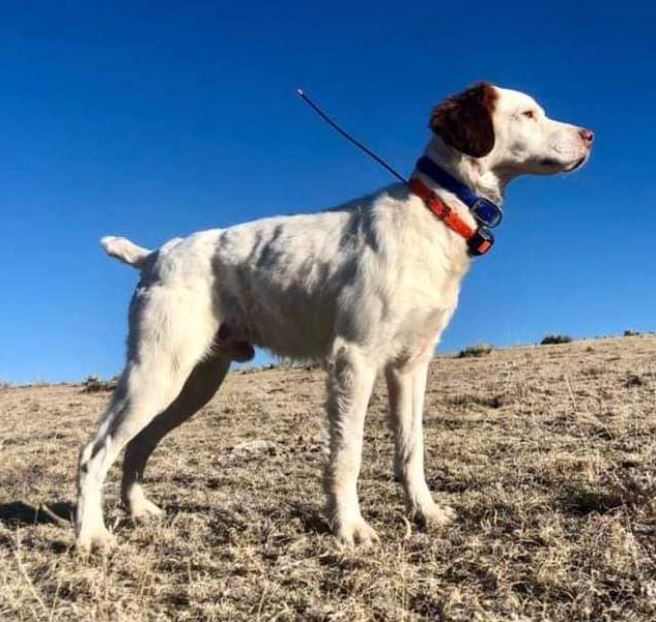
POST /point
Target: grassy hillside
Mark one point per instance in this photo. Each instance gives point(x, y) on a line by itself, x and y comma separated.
point(546, 452)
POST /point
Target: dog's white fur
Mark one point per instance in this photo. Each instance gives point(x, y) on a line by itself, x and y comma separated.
point(368, 286)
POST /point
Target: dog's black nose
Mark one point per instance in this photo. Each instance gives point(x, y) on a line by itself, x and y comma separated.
point(587, 135)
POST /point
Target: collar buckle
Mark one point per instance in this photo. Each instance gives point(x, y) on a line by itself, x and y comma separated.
point(486, 212)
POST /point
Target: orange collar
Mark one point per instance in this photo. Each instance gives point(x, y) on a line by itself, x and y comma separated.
point(479, 240)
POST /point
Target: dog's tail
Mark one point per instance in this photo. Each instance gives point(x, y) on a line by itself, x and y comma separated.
point(128, 252)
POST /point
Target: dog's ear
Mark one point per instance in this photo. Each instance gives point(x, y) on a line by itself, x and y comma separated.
point(464, 121)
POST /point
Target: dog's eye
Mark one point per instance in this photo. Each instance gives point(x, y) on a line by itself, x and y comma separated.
point(529, 114)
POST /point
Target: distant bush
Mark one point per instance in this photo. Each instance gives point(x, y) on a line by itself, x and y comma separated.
point(552, 339)
point(631, 333)
point(479, 349)
point(633, 380)
point(93, 384)
point(469, 399)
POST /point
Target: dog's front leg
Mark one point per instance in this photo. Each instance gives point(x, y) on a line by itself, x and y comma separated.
point(350, 382)
point(406, 387)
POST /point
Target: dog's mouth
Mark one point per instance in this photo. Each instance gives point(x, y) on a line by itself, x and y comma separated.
point(553, 164)
point(550, 163)
point(577, 165)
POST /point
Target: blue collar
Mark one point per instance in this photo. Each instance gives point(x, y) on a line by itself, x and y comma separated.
point(484, 211)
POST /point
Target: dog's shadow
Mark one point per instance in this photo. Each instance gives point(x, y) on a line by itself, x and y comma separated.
point(19, 513)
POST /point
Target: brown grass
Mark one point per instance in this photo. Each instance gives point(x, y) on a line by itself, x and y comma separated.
point(547, 453)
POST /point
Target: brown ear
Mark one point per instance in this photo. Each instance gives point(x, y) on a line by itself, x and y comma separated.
point(464, 121)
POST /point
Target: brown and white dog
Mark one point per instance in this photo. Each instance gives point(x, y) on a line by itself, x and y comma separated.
point(368, 287)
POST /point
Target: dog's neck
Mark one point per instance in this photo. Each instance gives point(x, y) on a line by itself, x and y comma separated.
point(473, 172)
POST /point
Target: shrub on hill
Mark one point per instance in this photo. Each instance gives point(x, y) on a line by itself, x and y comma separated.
point(553, 339)
point(93, 384)
point(476, 350)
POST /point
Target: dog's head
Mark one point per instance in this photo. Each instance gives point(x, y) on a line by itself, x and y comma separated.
point(511, 131)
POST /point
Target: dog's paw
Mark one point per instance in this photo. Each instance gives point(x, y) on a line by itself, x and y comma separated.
point(144, 510)
point(100, 540)
point(434, 516)
point(356, 532)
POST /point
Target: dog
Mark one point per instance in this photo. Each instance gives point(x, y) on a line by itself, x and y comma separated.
point(367, 287)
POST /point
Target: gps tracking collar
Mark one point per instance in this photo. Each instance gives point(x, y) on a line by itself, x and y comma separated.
point(486, 213)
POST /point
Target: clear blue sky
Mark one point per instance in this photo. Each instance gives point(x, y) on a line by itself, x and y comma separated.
point(156, 119)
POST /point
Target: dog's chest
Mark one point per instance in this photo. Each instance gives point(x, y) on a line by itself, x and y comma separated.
point(426, 270)
point(428, 263)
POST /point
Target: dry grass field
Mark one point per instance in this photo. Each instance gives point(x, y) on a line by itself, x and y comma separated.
point(546, 452)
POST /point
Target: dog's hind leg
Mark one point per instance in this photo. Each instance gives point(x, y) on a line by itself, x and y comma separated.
point(202, 384)
point(169, 334)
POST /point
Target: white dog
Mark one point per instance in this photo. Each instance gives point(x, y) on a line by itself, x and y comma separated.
point(367, 287)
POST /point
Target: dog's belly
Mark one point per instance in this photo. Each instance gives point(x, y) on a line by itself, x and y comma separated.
point(287, 325)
